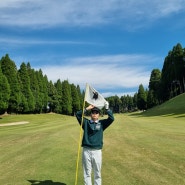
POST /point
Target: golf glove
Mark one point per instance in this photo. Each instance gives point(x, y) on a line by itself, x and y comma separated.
point(106, 105)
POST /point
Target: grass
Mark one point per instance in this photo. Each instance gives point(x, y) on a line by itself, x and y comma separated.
point(44, 149)
point(142, 150)
point(138, 149)
point(175, 106)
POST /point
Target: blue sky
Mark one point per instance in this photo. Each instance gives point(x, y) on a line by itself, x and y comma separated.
point(111, 44)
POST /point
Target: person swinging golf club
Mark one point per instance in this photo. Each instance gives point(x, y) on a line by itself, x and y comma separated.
point(92, 142)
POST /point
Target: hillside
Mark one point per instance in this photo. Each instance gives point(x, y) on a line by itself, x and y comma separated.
point(174, 106)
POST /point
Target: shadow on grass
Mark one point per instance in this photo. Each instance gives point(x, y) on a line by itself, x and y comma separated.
point(45, 182)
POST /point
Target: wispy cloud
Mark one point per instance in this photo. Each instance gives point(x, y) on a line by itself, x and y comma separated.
point(75, 55)
point(85, 13)
point(32, 41)
point(104, 72)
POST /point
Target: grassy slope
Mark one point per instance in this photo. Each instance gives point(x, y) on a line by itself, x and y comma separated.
point(139, 150)
point(174, 106)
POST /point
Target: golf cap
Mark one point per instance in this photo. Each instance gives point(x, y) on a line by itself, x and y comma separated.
point(95, 109)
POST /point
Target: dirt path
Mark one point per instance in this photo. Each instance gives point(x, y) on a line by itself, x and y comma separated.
point(14, 123)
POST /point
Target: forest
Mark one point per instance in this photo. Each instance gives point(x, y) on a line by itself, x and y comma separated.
point(29, 91)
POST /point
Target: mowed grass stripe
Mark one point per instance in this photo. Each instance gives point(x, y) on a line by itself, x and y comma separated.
point(39, 150)
point(147, 150)
point(137, 150)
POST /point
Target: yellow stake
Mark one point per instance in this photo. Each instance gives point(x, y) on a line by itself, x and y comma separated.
point(79, 144)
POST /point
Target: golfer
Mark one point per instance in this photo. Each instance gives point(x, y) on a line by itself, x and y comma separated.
point(92, 142)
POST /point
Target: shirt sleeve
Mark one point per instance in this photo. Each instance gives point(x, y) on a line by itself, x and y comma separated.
point(107, 122)
point(79, 116)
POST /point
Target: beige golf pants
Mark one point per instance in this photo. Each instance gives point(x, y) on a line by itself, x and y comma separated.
point(92, 159)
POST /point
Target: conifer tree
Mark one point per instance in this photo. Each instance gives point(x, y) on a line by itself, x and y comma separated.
point(58, 86)
point(135, 101)
point(66, 98)
point(141, 98)
point(153, 97)
point(130, 103)
point(29, 104)
point(124, 103)
point(75, 99)
point(43, 92)
point(81, 96)
point(52, 97)
point(172, 79)
point(9, 69)
point(34, 87)
point(4, 92)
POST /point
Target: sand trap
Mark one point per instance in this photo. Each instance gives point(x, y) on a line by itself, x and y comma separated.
point(14, 123)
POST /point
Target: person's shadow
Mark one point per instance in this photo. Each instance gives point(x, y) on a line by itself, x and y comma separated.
point(45, 182)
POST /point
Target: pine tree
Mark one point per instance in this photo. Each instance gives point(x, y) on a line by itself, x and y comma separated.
point(4, 92)
point(173, 72)
point(135, 101)
point(81, 96)
point(75, 99)
point(29, 104)
point(34, 87)
point(153, 97)
point(124, 103)
point(66, 98)
point(58, 86)
point(43, 92)
point(130, 103)
point(141, 98)
point(52, 97)
point(9, 69)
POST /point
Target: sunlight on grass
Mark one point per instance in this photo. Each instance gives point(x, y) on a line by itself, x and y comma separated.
point(137, 150)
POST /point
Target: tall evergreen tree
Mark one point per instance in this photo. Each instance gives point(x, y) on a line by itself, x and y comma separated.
point(34, 86)
point(29, 104)
point(58, 86)
point(141, 98)
point(172, 79)
point(135, 101)
point(183, 70)
point(4, 92)
point(130, 103)
point(66, 98)
point(43, 91)
point(75, 99)
point(153, 97)
point(124, 106)
point(115, 103)
point(126, 103)
point(39, 95)
point(177, 61)
point(52, 97)
point(9, 69)
point(81, 96)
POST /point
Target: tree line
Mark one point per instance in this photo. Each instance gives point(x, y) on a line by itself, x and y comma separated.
point(163, 85)
point(29, 91)
point(26, 90)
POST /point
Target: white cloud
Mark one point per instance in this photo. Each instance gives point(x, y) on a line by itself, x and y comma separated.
point(32, 41)
point(99, 75)
point(85, 13)
point(119, 94)
point(111, 73)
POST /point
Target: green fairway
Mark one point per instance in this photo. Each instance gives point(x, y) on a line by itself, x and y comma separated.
point(138, 150)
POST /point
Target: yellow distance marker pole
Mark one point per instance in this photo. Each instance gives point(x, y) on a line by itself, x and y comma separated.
point(80, 139)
